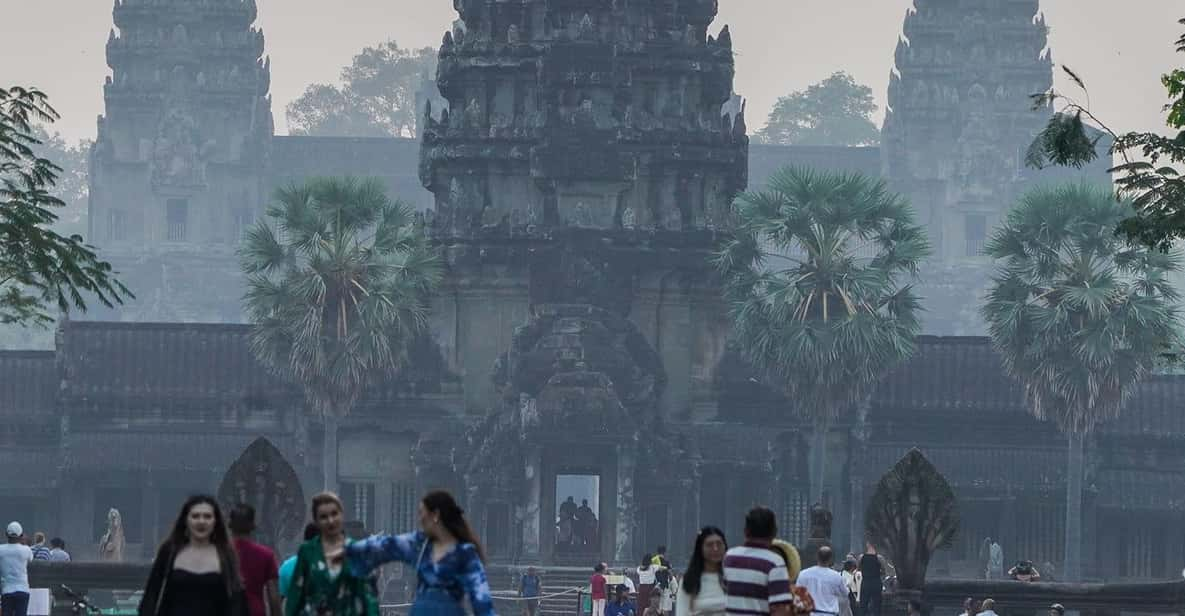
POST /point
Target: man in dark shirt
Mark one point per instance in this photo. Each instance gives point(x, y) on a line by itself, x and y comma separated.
point(871, 583)
point(586, 524)
point(621, 604)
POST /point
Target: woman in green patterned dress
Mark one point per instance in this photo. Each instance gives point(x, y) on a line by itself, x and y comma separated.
point(320, 585)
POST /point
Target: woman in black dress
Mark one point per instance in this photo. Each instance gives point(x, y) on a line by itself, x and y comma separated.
point(195, 572)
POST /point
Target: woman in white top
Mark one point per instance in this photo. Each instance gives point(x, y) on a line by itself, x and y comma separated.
point(647, 573)
point(702, 590)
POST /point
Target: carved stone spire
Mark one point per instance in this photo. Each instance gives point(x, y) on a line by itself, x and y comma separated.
point(183, 151)
point(573, 114)
point(190, 86)
point(960, 117)
point(958, 124)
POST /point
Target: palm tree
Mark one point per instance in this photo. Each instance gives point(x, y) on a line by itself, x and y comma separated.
point(1079, 315)
point(339, 283)
point(814, 282)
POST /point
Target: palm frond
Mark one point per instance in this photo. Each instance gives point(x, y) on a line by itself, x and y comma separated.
point(816, 280)
point(340, 281)
point(1077, 312)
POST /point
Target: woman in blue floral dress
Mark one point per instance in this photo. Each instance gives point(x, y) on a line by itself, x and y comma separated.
point(446, 554)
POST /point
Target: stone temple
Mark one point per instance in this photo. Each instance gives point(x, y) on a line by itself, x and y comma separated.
point(576, 179)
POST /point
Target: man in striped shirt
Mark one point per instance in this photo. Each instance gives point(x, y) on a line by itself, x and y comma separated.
point(755, 575)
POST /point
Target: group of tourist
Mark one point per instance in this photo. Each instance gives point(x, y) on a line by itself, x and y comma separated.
point(576, 526)
point(752, 579)
point(763, 575)
point(209, 567)
point(987, 607)
point(654, 594)
point(15, 555)
point(864, 578)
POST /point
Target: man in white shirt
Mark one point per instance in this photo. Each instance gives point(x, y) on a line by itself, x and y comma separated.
point(826, 586)
point(14, 573)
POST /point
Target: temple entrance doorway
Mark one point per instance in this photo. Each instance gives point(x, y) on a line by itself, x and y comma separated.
point(578, 514)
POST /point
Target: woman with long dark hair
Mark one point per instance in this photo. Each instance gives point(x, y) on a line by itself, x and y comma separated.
point(702, 592)
point(446, 554)
point(320, 584)
point(195, 572)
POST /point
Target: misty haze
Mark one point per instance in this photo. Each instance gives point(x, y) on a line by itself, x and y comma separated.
point(592, 307)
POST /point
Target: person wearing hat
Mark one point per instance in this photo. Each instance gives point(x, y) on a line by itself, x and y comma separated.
point(14, 573)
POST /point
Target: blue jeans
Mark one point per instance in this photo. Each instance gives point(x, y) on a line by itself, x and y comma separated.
point(14, 604)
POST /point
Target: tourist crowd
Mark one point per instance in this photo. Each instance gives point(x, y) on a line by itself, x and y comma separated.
point(211, 566)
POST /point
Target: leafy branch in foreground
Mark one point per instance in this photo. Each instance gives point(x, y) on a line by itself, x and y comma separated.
point(1148, 175)
point(38, 267)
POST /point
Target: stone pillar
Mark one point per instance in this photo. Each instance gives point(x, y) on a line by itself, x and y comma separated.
point(150, 517)
point(856, 516)
point(1007, 537)
point(624, 548)
point(531, 512)
point(856, 477)
point(1090, 538)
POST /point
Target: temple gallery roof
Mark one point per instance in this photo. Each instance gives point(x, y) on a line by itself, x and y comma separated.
point(180, 361)
point(182, 366)
point(28, 381)
point(112, 365)
point(959, 376)
point(131, 451)
point(951, 374)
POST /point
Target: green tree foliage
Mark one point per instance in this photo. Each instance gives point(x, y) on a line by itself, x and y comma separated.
point(1149, 173)
point(72, 186)
point(339, 283)
point(836, 111)
point(815, 281)
point(39, 268)
point(1079, 314)
point(377, 97)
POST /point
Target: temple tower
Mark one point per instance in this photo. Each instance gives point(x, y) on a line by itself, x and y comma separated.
point(584, 114)
point(958, 124)
point(574, 125)
point(177, 169)
point(960, 118)
point(582, 172)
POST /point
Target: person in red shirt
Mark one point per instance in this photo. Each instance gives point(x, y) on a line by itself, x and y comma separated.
point(257, 564)
point(599, 596)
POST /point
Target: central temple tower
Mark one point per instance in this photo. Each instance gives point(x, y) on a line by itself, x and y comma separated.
point(590, 114)
point(582, 172)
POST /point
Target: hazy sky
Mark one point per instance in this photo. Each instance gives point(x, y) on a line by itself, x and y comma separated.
point(781, 45)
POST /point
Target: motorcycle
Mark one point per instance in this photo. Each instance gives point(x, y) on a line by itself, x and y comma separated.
point(79, 605)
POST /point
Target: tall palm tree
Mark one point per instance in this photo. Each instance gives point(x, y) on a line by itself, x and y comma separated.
point(815, 282)
point(1079, 315)
point(339, 282)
